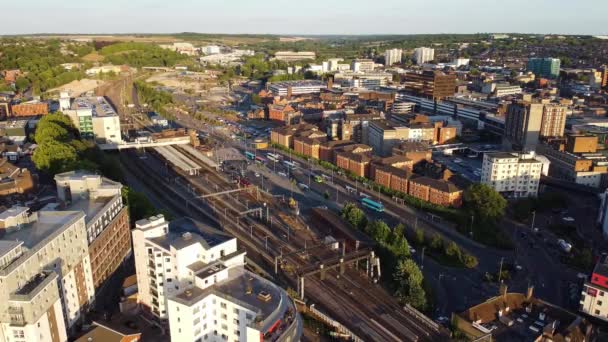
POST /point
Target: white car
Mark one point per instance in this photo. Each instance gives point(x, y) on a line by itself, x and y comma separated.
point(568, 219)
point(412, 250)
point(257, 174)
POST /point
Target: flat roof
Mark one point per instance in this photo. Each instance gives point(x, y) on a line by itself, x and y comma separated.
point(201, 233)
point(98, 104)
point(91, 206)
point(47, 224)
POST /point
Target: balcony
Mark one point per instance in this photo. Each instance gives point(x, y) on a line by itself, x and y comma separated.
point(16, 316)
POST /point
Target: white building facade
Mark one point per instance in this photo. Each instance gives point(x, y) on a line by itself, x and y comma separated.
point(512, 174)
point(423, 55)
point(392, 56)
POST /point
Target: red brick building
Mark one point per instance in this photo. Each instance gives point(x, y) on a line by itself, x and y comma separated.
point(29, 109)
point(357, 163)
point(439, 192)
point(308, 146)
point(283, 113)
point(327, 148)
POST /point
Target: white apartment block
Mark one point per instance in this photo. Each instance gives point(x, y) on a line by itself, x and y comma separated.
point(296, 87)
point(45, 274)
point(512, 174)
point(392, 56)
point(423, 55)
point(594, 296)
point(210, 49)
point(192, 277)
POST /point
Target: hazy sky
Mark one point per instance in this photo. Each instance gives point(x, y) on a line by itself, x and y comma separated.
point(304, 16)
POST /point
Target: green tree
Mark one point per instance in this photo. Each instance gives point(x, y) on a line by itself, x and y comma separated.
point(484, 202)
point(452, 250)
point(22, 84)
point(51, 132)
point(436, 242)
point(355, 216)
point(419, 237)
point(139, 205)
point(54, 157)
point(379, 231)
point(408, 279)
point(469, 261)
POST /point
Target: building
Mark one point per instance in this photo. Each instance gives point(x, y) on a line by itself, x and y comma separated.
point(95, 119)
point(356, 163)
point(291, 88)
point(523, 125)
point(211, 50)
point(554, 121)
point(284, 113)
point(423, 55)
point(403, 107)
point(432, 84)
point(284, 135)
point(392, 177)
point(107, 219)
point(363, 65)
point(4, 111)
point(383, 136)
point(192, 277)
point(327, 148)
point(105, 69)
point(392, 56)
point(370, 79)
point(291, 56)
point(522, 317)
point(577, 161)
point(14, 180)
point(45, 274)
point(595, 289)
point(436, 191)
point(106, 333)
point(544, 67)
point(511, 174)
point(33, 108)
point(417, 151)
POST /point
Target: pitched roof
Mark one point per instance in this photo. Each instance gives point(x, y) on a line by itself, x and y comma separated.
point(441, 185)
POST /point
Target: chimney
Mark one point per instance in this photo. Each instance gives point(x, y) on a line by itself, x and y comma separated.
point(530, 292)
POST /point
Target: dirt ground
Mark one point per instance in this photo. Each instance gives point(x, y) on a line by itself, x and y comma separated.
point(76, 88)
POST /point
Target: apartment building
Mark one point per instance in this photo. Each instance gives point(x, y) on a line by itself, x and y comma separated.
point(357, 163)
point(423, 55)
point(392, 56)
point(285, 114)
point(363, 65)
point(392, 177)
point(45, 274)
point(106, 219)
point(594, 296)
point(437, 191)
point(308, 146)
point(554, 121)
point(544, 67)
point(512, 174)
point(327, 148)
point(383, 136)
point(191, 276)
point(360, 125)
point(284, 135)
point(414, 150)
point(14, 180)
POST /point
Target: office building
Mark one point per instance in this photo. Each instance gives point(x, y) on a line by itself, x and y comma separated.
point(432, 84)
point(594, 296)
point(46, 282)
point(107, 219)
point(523, 125)
point(511, 174)
point(192, 277)
point(423, 55)
point(350, 79)
point(392, 56)
point(95, 119)
point(383, 136)
point(291, 56)
point(290, 88)
point(363, 65)
point(544, 67)
point(577, 160)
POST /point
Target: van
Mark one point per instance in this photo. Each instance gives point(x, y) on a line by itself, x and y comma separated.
point(282, 174)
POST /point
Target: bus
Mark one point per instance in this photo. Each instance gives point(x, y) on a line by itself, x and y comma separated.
point(249, 155)
point(290, 165)
point(368, 203)
point(273, 157)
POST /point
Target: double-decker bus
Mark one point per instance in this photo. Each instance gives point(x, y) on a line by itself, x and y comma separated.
point(368, 203)
point(249, 155)
point(273, 157)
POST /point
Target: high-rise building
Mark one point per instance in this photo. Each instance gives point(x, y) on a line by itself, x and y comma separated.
point(364, 65)
point(423, 55)
point(523, 125)
point(511, 174)
point(46, 281)
point(553, 121)
point(107, 219)
point(392, 56)
point(544, 67)
point(192, 276)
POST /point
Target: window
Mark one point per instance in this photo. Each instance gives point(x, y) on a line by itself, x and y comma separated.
point(599, 302)
point(601, 293)
point(597, 312)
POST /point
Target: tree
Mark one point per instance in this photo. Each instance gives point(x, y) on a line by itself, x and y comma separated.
point(419, 237)
point(54, 157)
point(355, 216)
point(452, 250)
point(436, 241)
point(139, 205)
point(51, 132)
point(485, 203)
point(408, 278)
point(379, 231)
point(22, 84)
point(469, 261)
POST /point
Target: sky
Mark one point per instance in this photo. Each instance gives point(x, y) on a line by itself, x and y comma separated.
point(313, 17)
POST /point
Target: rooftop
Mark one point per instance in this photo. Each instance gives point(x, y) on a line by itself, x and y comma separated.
point(199, 232)
point(97, 104)
point(300, 83)
point(47, 224)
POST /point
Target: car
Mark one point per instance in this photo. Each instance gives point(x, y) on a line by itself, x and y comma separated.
point(257, 174)
point(412, 250)
point(282, 174)
point(568, 219)
point(536, 230)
